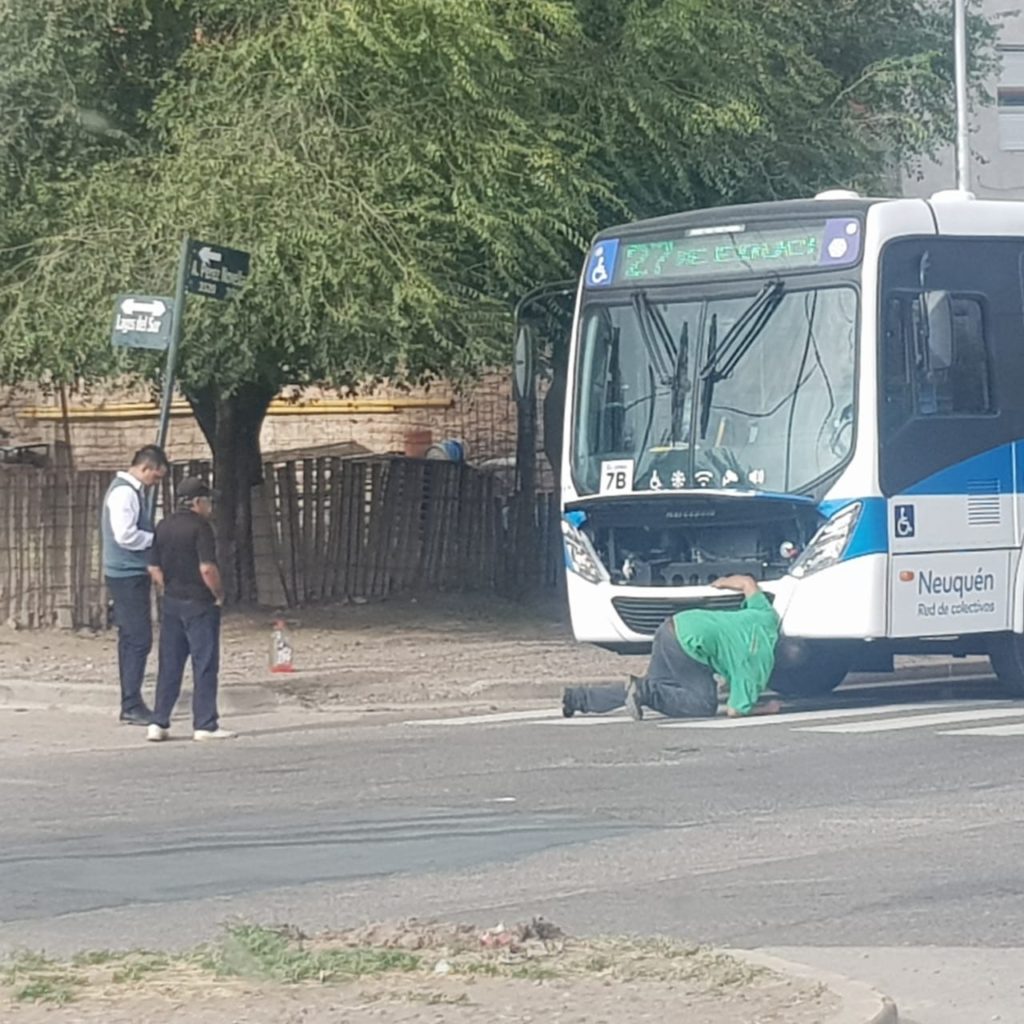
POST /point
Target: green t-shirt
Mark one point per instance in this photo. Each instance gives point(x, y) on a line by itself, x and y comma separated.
point(737, 645)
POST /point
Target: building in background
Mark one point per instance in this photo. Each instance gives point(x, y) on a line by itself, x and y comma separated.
point(997, 130)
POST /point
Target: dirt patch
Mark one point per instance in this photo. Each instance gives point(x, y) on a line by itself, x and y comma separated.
point(444, 647)
point(410, 973)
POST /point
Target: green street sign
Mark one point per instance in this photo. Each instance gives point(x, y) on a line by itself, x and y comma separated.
point(143, 321)
point(215, 270)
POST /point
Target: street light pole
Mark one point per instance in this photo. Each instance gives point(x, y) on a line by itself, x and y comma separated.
point(963, 150)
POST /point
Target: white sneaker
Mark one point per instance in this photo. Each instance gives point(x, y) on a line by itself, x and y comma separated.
point(213, 734)
point(157, 734)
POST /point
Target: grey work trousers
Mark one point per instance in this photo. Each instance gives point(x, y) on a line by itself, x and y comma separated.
point(675, 684)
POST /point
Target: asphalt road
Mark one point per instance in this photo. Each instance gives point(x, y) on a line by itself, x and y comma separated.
point(878, 833)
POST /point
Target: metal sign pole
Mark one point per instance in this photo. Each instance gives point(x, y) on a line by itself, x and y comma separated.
point(172, 349)
point(963, 150)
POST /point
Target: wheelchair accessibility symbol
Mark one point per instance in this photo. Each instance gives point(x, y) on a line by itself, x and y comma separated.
point(601, 267)
point(903, 521)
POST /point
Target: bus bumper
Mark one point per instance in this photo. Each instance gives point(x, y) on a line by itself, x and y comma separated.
point(846, 601)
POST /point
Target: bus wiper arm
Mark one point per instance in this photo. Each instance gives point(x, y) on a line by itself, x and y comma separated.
point(676, 377)
point(650, 325)
point(707, 383)
point(738, 339)
point(681, 383)
point(723, 359)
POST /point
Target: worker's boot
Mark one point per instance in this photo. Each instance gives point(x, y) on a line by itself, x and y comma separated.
point(635, 698)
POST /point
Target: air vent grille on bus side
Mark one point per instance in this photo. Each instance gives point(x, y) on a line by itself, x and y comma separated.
point(983, 505)
point(644, 615)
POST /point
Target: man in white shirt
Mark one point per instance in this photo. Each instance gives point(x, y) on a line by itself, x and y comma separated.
point(127, 529)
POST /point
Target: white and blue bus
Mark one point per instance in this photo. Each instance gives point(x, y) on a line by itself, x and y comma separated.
point(826, 394)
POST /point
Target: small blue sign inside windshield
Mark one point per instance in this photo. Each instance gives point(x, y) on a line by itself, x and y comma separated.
point(601, 267)
point(840, 243)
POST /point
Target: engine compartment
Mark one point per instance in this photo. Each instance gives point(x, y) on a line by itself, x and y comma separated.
point(678, 540)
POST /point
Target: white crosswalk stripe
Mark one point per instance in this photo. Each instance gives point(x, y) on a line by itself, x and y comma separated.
point(866, 720)
point(495, 719)
point(615, 718)
point(792, 717)
point(1013, 729)
point(919, 721)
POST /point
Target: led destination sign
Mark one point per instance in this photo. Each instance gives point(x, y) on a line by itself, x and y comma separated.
point(731, 251)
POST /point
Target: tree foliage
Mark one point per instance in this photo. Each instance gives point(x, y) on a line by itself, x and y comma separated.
point(401, 170)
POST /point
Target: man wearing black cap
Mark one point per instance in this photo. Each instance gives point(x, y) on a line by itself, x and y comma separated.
point(183, 564)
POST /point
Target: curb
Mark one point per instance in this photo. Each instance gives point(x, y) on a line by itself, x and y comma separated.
point(32, 694)
point(237, 697)
point(862, 1004)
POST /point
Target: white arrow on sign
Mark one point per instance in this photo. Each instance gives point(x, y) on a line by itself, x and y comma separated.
point(132, 306)
point(208, 255)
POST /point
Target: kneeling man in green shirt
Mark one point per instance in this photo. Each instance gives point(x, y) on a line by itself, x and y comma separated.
point(688, 651)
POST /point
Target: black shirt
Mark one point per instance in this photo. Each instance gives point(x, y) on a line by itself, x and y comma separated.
point(183, 541)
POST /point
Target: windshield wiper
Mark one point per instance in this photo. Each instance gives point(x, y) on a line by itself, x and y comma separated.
point(681, 383)
point(707, 387)
point(649, 318)
point(723, 359)
point(676, 377)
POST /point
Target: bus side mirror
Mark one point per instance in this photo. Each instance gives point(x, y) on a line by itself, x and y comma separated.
point(522, 363)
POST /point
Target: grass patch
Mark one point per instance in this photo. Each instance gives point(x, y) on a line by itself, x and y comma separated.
point(95, 958)
point(284, 956)
point(35, 978)
point(57, 990)
point(26, 962)
point(137, 967)
point(478, 968)
point(268, 954)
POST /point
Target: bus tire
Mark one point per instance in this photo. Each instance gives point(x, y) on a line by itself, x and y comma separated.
point(808, 683)
point(808, 669)
point(1006, 655)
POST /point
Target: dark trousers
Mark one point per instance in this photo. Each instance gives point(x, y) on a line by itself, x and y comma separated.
point(675, 685)
point(188, 629)
point(130, 595)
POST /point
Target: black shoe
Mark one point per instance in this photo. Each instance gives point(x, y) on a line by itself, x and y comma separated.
point(568, 703)
point(140, 715)
point(633, 698)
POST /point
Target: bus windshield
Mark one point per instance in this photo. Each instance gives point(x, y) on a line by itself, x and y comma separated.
point(752, 391)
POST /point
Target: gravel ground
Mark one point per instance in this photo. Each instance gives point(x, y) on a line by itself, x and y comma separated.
point(396, 652)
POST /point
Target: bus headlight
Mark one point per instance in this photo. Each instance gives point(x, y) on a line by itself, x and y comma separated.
point(580, 556)
point(829, 544)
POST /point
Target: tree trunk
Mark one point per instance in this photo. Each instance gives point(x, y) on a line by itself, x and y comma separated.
point(231, 424)
point(521, 563)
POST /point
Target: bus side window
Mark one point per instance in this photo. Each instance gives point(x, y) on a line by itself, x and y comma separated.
point(953, 376)
point(971, 386)
point(936, 358)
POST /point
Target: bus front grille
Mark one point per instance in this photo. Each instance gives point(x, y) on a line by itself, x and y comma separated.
point(645, 614)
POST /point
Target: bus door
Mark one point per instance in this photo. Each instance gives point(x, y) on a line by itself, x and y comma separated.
point(947, 451)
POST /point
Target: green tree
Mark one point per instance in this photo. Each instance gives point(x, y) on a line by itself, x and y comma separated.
point(402, 169)
point(383, 173)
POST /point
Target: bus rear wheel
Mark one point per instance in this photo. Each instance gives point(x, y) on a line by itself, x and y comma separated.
point(808, 669)
point(1007, 657)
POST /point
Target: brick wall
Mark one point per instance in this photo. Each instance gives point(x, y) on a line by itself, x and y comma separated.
point(483, 417)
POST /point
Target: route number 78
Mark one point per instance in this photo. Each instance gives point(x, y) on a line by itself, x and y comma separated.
point(617, 476)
